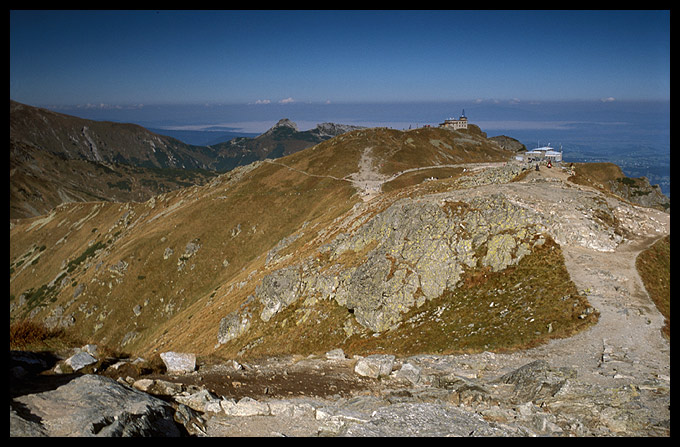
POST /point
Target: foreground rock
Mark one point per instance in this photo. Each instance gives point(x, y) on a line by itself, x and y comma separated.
point(179, 362)
point(92, 405)
point(375, 366)
point(426, 395)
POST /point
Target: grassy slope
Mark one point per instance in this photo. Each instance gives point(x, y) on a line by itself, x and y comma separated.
point(240, 216)
point(654, 266)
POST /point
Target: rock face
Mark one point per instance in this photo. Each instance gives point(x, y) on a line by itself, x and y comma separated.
point(509, 143)
point(413, 252)
point(641, 192)
point(92, 405)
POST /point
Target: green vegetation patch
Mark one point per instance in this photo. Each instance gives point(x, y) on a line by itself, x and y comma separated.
point(89, 252)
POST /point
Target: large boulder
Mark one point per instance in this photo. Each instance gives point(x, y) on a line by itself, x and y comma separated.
point(179, 362)
point(277, 291)
point(92, 405)
point(376, 365)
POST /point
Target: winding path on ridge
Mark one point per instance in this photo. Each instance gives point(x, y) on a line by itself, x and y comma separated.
point(629, 327)
point(368, 181)
point(626, 344)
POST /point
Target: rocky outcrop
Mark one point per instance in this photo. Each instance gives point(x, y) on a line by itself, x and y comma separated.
point(640, 192)
point(509, 143)
point(410, 253)
point(92, 405)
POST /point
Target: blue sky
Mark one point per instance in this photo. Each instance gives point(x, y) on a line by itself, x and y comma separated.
point(286, 57)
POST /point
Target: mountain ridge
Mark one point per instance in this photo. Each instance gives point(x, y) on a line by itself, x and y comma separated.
point(252, 261)
point(494, 282)
point(57, 158)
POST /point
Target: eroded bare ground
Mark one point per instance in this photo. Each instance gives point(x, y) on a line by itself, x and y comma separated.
point(278, 378)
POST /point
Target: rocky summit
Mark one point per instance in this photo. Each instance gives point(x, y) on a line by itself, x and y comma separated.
point(378, 283)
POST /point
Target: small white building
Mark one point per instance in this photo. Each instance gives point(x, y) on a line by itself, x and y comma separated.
point(454, 124)
point(545, 153)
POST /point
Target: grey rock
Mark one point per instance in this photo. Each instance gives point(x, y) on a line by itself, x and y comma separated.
point(20, 427)
point(375, 365)
point(80, 360)
point(203, 401)
point(537, 380)
point(420, 249)
point(92, 405)
point(90, 349)
point(192, 420)
point(278, 290)
point(292, 408)
point(179, 362)
point(335, 354)
point(158, 387)
point(423, 420)
point(232, 326)
point(409, 372)
point(245, 407)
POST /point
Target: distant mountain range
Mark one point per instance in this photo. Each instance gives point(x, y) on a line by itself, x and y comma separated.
point(57, 158)
point(282, 139)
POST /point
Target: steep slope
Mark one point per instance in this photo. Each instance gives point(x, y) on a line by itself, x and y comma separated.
point(40, 180)
point(344, 244)
point(100, 141)
point(57, 158)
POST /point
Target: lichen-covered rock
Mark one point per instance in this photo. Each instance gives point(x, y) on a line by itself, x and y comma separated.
point(278, 290)
point(422, 248)
point(410, 253)
point(232, 326)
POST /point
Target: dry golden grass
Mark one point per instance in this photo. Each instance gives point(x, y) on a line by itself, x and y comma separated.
point(654, 267)
point(236, 223)
point(32, 336)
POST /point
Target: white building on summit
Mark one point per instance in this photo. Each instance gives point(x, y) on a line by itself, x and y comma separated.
point(454, 124)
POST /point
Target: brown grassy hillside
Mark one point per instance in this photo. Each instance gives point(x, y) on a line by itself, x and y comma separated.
point(162, 274)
